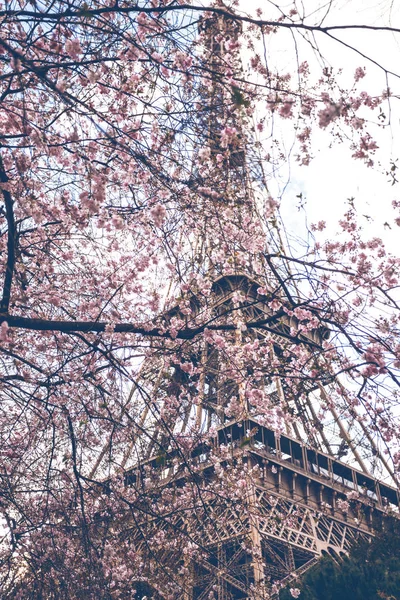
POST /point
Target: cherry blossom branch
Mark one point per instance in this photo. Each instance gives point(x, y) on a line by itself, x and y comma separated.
point(323, 267)
point(87, 12)
point(312, 264)
point(77, 475)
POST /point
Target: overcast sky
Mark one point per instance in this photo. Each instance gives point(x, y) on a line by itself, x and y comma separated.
point(333, 176)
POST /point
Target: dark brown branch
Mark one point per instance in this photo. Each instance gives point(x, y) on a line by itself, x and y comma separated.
point(18, 322)
point(87, 13)
point(11, 241)
point(188, 333)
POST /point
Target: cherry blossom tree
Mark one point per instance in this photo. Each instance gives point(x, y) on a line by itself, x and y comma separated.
point(136, 154)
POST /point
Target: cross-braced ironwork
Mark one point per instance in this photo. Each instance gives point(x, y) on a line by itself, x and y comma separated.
point(250, 507)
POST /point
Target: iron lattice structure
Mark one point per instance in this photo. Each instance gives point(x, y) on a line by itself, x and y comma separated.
point(299, 498)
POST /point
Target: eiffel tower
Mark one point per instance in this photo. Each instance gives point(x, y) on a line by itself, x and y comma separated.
point(238, 496)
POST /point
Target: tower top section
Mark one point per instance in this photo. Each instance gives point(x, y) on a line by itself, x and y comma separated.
point(223, 127)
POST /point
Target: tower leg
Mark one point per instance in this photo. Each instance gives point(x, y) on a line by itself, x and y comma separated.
point(256, 544)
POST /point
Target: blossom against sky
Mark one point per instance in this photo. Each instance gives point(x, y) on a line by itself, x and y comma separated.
point(324, 187)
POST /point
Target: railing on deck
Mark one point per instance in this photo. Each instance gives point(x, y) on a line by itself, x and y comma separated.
point(279, 449)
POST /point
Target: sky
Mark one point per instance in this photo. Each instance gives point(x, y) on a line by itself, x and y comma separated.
point(333, 176)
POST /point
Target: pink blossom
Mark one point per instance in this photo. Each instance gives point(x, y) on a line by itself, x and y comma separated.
point(304, 68)
point(4, 328)
point(232, 44)
point(228, 134)
point(219, 341)
point(343, 505)
point(157, 57)
point(327, 115)
point(142, 18)
point(286, 110)
point(366, 147)
point(369, 101)
point(357, 123)
point(183, 61)
point(367, 143)
point(73, 48)
point(270, 207)
point(204, 153)
point(275, 304)
point(359, 74)
point(159, 213)
point(304, 135)
point(320, 226)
